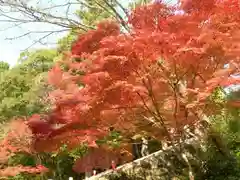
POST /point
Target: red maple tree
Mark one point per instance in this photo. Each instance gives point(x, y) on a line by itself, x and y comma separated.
point(161, 72)
point(19, 138)
point(157, 76)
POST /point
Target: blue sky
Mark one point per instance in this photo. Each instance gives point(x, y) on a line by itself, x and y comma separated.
point(10, 49)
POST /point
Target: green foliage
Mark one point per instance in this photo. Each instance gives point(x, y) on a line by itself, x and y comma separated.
point(216, 166)
point(65, 43)
point(218, 96)
point(95, 11)
point(227, 124)
point(24, 86)
point(4, 66)
point(114, 139)
point(23, 159)
point(61, 162)
point(27, 177)
point(75, 153)
point(137, 3)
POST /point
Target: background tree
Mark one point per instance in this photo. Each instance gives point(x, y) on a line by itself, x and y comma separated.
point(4, 66)
point(24, 85)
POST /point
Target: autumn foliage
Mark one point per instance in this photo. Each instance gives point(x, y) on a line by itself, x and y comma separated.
point(157, 76)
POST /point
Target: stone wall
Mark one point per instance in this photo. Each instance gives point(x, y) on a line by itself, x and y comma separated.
point(151, 167)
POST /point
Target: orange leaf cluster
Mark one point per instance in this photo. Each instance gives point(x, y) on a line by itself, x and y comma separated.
point(19, 138)
point(166, 66)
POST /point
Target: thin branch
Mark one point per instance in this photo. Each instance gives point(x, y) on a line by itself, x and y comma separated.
point(61, 5)
point(20, 12)
point(39, 40)
point(118, 15)
point(41, 16)
point(34, 32)
point(13, 26)
point(123, 9)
